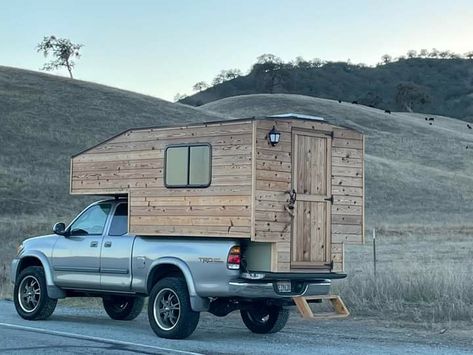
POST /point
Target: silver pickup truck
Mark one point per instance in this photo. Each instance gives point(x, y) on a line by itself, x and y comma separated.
point(95, 256)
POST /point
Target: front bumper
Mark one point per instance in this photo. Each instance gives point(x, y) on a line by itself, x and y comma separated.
point(246, 289)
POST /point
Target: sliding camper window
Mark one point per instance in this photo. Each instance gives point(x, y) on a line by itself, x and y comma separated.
point(188, 165)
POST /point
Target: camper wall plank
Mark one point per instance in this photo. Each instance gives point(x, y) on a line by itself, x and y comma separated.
point(347, 162)
point(223, 221)
point(204, 132)
point(224, 210)
point(159, 144)
point(220, 170)
point(346, 219)
point(347, 143)
point(273, 166)
point(217, 151)
point(347, 153)
point(347, 134)
point(347, 181)
point(348, 171)
point(346, 238)
point(347, 191)
point(242, 191)
point(192, 201)
point(219, 180)
point(346, 210)
point(346, 229)
point(273, 236)
point(197, 231)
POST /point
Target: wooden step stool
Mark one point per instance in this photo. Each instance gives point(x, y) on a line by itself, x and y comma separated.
point(339, 308)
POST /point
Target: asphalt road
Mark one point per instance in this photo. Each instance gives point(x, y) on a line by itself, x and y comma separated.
point(89, 331)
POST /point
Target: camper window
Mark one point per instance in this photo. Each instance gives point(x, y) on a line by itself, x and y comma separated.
point(188, 165)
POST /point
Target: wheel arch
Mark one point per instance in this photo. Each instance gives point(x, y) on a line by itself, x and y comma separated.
point(37, 258)
point(169, 267)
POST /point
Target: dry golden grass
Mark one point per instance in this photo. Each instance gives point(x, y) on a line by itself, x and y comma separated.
point(423, 275)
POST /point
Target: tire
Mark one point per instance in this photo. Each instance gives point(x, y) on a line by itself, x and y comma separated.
point(265, 319)
point(122, 307)
point(169, 309)
point(31, 296)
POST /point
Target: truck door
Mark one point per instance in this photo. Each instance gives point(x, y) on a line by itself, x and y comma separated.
point(312, 175)
point(76, 256)
point(117, 245)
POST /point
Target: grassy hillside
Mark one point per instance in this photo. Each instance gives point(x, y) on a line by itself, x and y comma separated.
point(44, 119)
point(417, 171)
point(446, 84)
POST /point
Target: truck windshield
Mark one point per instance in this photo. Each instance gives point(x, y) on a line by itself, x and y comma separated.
point(92, 221)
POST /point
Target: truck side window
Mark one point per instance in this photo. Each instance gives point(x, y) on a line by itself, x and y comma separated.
point(188, 165)
point(119, 224)
point(92, 221)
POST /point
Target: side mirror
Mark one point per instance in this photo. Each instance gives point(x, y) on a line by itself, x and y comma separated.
point(59, 228)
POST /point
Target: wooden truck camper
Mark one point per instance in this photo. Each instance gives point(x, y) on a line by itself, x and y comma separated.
point(290, 186)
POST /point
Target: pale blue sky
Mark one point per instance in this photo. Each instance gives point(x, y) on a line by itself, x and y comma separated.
point(163, 47)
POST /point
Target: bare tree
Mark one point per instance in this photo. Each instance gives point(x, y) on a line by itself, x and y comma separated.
point(178, 97)
point(424, 53)
point(63, 51)
point(434, 53)
point(268, 58)
point(411, 53)
point(199, 86)
point(385, 59)
point(231, 74)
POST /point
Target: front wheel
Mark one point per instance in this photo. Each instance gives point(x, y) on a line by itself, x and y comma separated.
point(169, 309)
point(31, 296)
point(123, 308)
point(265, 319)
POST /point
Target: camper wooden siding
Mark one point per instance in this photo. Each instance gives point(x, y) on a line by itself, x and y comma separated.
point(275, 172)
point(249, 192)
point(133, 163)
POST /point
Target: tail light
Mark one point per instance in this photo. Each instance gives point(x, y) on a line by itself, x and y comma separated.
point(234, 258)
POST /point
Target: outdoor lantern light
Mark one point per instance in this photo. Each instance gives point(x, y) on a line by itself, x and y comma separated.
point(273, 136)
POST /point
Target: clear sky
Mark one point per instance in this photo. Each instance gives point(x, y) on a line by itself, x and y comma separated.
point(164, 47)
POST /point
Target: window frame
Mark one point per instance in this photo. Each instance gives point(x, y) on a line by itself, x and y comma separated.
point(189, 146)
point(113, 215)
point(102, 203)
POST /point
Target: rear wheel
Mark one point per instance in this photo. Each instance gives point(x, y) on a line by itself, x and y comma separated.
point(265, 319)
point(122, 307)
point(169, 309)
point(31, 296)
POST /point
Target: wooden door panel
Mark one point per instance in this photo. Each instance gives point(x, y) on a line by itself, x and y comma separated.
point(312, 215)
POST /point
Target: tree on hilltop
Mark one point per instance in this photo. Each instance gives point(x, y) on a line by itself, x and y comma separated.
point(199, 86)
point(63, 51)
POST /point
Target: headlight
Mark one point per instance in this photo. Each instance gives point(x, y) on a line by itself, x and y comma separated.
point(19, 249)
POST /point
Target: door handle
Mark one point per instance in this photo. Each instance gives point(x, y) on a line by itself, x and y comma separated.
point(94, 244)
point(292, 199)
point(107, 244)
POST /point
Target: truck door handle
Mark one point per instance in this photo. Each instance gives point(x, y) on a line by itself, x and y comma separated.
point(107, 244)
point(94, 244)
